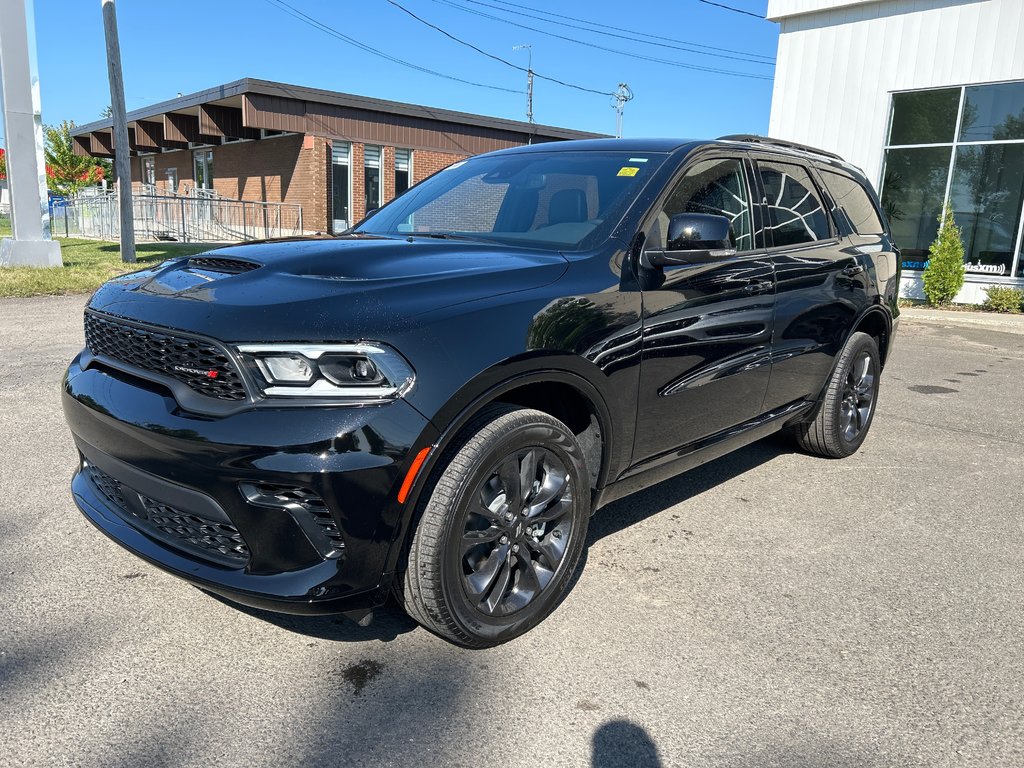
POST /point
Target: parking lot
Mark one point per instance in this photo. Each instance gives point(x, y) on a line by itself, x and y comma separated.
point(768, 609)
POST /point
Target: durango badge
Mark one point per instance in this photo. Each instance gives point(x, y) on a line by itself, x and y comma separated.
point(211, 374)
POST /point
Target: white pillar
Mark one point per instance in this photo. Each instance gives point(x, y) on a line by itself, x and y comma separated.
point(26, 166)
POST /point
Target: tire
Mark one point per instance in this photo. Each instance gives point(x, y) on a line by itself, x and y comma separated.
point(488, 561)
point(848, 406)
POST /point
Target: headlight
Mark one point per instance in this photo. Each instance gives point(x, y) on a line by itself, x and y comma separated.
point(365, 371)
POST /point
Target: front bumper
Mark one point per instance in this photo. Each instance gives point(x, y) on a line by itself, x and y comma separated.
point(289, 509)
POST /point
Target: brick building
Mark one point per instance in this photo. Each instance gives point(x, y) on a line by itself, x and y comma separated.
point(335, 154)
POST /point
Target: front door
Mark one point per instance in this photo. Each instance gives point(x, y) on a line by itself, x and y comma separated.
point(706, 326)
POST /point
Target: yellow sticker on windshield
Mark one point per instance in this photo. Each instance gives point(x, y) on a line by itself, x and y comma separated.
point(627, 170)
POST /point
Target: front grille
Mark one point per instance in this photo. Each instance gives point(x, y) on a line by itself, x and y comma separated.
point(226, 266)
point(202, 366)
point(210, 539)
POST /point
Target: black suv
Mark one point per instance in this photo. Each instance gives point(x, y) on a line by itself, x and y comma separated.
point(434, 403)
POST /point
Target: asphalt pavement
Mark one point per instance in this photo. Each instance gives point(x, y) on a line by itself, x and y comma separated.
point(768, 609)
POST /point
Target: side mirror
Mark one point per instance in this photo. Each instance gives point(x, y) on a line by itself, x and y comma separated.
point(694, 238)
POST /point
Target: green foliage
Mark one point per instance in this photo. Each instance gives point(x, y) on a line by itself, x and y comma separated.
point(944, 275)
point(66, 172)
point(87, 265)
point(1003, 298)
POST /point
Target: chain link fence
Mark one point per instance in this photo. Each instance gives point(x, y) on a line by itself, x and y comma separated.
point(185, 219)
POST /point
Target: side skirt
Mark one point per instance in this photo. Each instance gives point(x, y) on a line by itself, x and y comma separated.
point(669, 464)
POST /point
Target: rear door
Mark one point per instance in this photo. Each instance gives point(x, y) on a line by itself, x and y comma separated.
point(821, 285)
point(706, 325)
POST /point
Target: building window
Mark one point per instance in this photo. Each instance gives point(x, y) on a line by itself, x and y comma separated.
point(149, 174)
point(203, 168)
point(340, 184)
point(172, 180)
point(371, 178)
point(403, 170)
point(974, 160)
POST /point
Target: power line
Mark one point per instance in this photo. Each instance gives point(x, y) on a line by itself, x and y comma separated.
point(666, 62)
point(506, 62)
point(291, 10)
point(734, 10)
point(633, 36)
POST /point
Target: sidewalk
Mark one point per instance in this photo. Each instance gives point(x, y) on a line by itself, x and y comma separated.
point(994, 320)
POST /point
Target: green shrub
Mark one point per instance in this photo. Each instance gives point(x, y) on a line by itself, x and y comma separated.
point(1002, 298)
point(944, 275)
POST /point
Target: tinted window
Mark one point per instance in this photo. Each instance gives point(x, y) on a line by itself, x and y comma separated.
point(717, 187)
point(855, 202)
point(795, 212)
point(925, 117)
point(993, 112)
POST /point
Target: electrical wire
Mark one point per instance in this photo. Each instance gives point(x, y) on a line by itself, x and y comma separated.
point(506, 62)
point(291, 10)
point(656, 60)
point(734, 10)
point(634, 36)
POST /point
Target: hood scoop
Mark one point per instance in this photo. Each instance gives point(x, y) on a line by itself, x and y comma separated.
point(221, 265)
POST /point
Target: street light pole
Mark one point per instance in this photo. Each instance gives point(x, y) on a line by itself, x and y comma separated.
point(122, 158)
point(529, 79)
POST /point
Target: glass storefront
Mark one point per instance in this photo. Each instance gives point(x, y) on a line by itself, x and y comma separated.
point(964, 145)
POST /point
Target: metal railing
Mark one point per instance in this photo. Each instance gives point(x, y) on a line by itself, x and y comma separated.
point(186, 219)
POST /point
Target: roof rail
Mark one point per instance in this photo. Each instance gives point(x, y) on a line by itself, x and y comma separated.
point(753, 138)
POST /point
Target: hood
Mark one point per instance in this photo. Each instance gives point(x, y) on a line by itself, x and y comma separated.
point(320, 290)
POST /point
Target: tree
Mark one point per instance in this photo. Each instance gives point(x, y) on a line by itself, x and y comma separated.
point(66, 172)
point(944, 274)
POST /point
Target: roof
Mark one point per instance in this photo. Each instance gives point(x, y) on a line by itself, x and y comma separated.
point(608, 145)
point(234, 90)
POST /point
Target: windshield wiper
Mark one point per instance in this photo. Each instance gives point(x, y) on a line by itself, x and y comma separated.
point(443, 236)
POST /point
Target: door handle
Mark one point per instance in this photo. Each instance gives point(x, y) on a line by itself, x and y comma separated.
point(758, 286)
point(853, 269)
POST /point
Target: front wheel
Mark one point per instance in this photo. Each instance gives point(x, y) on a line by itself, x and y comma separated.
point(501, 531)
point(848, 405)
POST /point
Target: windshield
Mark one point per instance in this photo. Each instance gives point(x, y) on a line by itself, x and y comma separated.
point(560, 200)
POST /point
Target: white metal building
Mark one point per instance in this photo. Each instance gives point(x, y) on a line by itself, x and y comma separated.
point(927, 96)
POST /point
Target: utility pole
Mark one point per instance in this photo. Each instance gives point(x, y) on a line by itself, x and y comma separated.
point(529, 79)
point(622, 95)
point(31, 245)
point(122, 158)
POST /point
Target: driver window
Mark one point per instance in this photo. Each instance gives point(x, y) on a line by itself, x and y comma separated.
point(711, 186)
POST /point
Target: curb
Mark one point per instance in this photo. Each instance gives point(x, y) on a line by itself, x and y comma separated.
point(1000, 322)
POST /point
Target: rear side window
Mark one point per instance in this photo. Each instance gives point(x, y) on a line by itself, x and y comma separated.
point(851, 196)
point(795, 211)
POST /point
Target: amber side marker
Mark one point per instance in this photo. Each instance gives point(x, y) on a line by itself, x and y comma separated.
point(410, 477)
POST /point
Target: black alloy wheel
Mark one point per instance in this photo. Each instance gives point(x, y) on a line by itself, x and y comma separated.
point(847, 407)
point(501, 527)
point(858, 401)
point(516, 529)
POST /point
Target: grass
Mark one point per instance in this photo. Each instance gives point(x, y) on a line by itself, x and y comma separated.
point(87, 265)
point(5, 226)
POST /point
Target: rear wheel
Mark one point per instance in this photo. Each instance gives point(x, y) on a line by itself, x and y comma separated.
point(848, 406)
point(501, 530)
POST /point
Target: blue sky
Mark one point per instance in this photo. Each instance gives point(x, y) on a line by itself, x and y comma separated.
point(187, 45)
